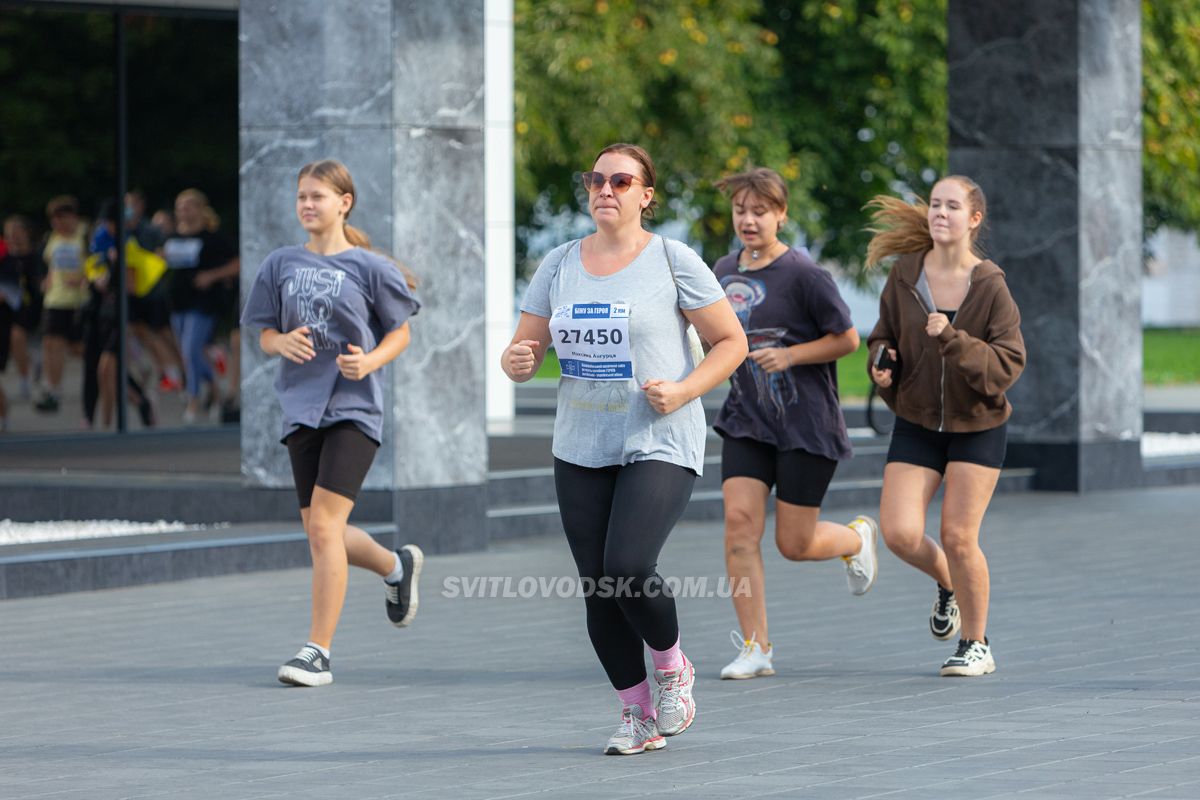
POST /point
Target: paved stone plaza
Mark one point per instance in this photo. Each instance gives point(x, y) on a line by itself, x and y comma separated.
point(169, 691)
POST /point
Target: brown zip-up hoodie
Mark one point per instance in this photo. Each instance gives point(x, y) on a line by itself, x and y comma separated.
point(955, 382)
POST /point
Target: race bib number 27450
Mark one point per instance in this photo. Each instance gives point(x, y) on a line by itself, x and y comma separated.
point(592, 341)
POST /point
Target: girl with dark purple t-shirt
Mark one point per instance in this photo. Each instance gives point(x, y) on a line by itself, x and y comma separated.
point(782, 423)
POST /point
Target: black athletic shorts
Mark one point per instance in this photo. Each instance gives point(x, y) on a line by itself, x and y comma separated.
point(335, 458)
point(799, 477)
point(29, 315)
point(913, 444)
point(153, 309)
point(65, 322)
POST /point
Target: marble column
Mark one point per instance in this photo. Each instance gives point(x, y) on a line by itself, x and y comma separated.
point(394, 89)
point(1045, 113)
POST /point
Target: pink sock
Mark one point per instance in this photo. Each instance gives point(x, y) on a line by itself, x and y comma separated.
point(638, 695)
point(671, 658)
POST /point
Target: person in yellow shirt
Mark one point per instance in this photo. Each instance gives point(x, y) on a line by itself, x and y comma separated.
point(66, 294)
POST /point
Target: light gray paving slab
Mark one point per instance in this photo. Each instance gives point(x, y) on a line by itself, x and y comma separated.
point(169, 690)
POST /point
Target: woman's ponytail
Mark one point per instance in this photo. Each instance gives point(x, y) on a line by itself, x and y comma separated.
point(898, 228)
point(901, 227)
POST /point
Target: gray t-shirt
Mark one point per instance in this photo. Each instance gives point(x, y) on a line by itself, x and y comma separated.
point(606, 423)
point(355, 297)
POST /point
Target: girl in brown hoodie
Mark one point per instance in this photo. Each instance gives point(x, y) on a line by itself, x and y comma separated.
point(951, 345)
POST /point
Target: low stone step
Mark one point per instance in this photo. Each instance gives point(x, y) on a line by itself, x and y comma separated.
point(847, 495)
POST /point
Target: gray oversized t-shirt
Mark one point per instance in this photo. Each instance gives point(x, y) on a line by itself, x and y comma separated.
point(355, 297)
point(606, 423)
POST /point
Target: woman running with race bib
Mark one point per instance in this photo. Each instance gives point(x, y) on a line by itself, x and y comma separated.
point(629, 431)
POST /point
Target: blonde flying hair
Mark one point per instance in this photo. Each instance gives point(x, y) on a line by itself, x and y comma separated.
point(334, 173)
point(901, 227)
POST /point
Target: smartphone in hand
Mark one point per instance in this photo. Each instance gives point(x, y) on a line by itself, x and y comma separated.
point(884, 361)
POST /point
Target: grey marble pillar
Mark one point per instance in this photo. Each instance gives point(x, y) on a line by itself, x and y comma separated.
point(1045, 113)
point(394, 89)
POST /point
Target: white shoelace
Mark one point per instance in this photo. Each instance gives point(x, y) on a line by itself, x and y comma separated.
point(392, 590)
point(309, 654)
point(633, 728)
point(745, 646)
point(670, 694)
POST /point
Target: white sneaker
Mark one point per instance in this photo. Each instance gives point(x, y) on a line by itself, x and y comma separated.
point(972, 658)
point(863, 567)
point(751, 661)
point(636, 735)
point(674, 706)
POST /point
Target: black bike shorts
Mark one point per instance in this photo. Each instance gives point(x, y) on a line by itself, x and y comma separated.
point(913, 444)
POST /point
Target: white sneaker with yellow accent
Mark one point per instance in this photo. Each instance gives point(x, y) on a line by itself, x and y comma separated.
point(751, 662)
point(863, 567)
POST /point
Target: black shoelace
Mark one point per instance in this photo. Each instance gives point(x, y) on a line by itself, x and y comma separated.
point(944, 597)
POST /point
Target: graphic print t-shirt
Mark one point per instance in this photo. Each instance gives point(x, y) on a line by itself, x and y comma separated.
point(355, 297)
point(791, 301)
point(188, 256)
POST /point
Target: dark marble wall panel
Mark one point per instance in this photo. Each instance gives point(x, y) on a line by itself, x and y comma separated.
point(1013, 73)
point(438, 60)
point(1044, 113)
point(1034, 237)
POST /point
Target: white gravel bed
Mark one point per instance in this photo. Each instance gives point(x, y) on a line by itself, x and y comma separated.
point(70, 529)
point(1170, 444)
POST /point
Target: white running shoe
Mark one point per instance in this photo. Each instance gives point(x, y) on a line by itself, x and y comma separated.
point(972, 658)
point(674, 705)
point(636, 735)
point(751, 661)
point(863, 567)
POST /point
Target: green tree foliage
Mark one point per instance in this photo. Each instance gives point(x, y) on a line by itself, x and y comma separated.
point(679, 77)
point(845, 99)
point(862, 94)
point(1171, 113)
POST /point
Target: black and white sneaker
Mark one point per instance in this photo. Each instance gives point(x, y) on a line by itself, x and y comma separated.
point(307, 668)
point(402, 596)
point(943, 620)
point(972, 658)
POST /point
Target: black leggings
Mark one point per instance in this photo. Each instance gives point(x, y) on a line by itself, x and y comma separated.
point(617, 520)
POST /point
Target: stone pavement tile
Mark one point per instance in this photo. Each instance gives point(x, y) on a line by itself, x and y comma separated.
point(179, 682)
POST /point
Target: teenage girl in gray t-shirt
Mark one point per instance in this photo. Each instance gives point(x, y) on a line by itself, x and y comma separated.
point(629, 431)
point(336, 313)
